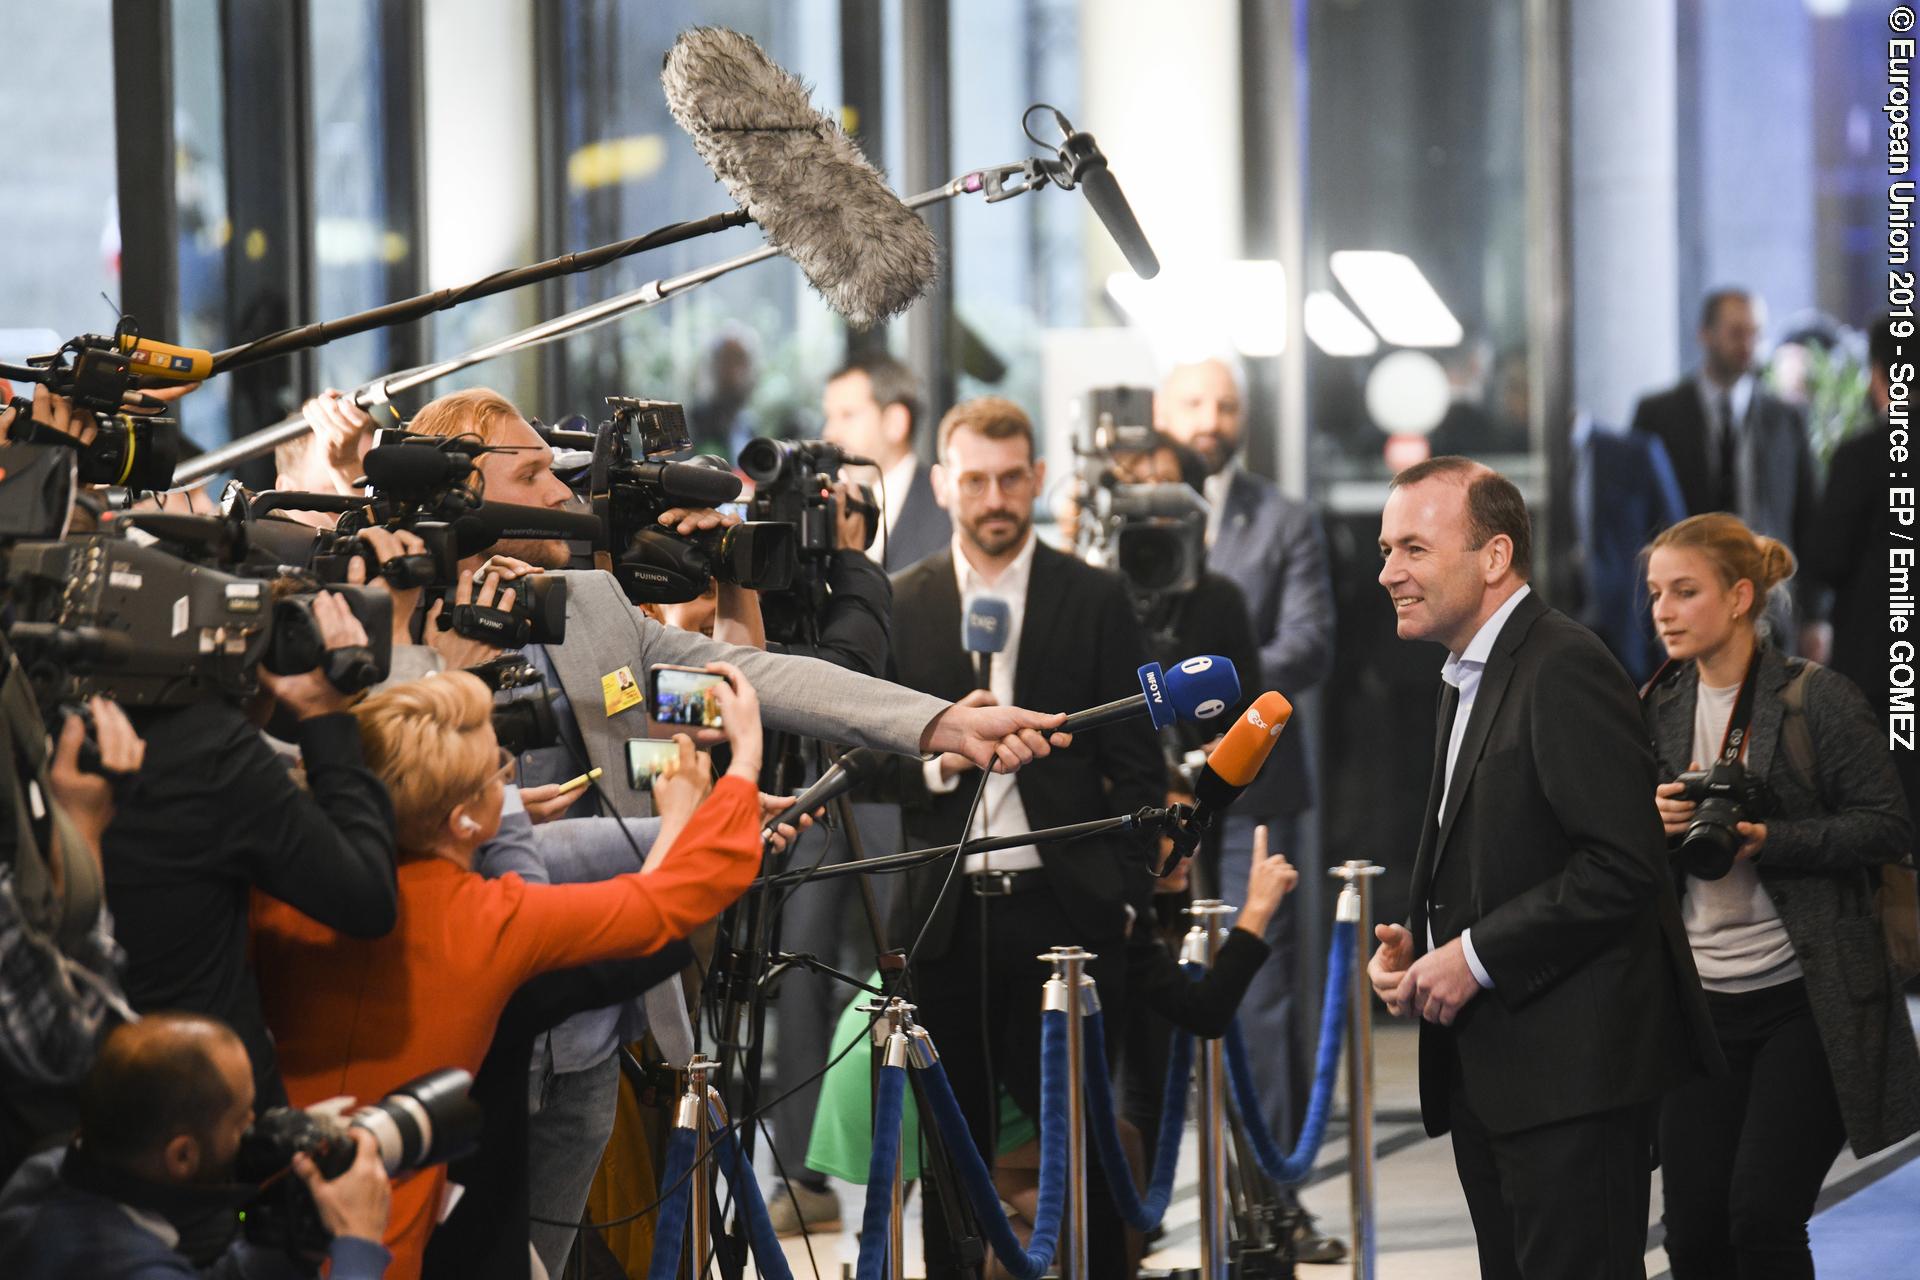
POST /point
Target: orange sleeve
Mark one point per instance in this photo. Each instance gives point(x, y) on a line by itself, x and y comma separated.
point(562, 925)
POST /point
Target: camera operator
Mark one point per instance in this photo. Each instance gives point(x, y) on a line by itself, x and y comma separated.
point(354, 1016)
point(59, 965)
point(215, 811)
point(146, 1191)
point(1798, 807)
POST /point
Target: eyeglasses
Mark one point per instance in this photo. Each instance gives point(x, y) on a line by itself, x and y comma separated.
point(1013, 484)
point(509, 767)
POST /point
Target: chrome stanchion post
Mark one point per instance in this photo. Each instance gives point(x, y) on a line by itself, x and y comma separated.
point(1356, 906)
point(1071, 990)
point(703, 1120)
point(1202, 946)
point(892, 1029)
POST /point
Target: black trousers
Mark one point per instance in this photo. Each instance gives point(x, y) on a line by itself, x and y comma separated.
point(1743, 1156)
point(1561, 1201)
point(989, 1039)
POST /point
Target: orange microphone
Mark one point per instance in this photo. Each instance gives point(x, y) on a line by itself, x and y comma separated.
point(1232, 766)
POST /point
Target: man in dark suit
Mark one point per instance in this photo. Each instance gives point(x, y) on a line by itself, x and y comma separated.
point(1624, 493)
point(873, 407)
point(1273, 549)
point(1543, 947)
point(1735, 446)
point(1072, 642)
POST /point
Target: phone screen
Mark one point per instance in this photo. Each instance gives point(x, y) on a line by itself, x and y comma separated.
point(646, 757)
point(681, 697)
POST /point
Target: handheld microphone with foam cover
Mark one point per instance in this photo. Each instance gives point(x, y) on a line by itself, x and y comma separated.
point(798, 175)
point(984, 633)
point(1199, 689)
point(852, 769)
point(1233, 765)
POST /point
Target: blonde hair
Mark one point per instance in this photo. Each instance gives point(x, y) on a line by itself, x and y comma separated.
point(1734, 550)
point(425, 740)
point(477, 412)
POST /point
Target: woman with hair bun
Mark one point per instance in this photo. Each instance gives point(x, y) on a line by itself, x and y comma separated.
point(1777, 885)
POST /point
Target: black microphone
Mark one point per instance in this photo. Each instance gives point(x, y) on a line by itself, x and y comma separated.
point(852, 769)
point(490, 522)
point(1087, 168)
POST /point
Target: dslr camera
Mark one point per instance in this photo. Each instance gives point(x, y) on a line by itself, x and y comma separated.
point(630, 483)
point(424, 1122)
point(1724, 796)
point(793, 485)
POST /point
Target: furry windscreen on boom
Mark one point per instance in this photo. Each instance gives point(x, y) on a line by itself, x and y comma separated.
point(797, 175)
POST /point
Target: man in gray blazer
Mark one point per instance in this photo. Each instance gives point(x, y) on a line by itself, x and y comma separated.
point(1273, 549)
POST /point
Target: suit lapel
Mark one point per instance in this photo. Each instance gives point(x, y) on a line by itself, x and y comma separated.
point(1231, 536)
point(590, 653)
point(1423, 861)
point(939, 628)
point(1043, 609)
point(1486, 705)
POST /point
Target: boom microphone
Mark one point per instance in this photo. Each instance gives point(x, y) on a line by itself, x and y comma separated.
point(1198, 689)
point(798, 175)
point(1233, 765)
point(852, 769)
point(1086, 167)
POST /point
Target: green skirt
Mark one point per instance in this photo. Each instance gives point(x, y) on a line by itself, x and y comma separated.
point(842, 1141)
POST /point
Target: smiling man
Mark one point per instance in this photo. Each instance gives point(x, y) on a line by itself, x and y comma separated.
point(1543, 948)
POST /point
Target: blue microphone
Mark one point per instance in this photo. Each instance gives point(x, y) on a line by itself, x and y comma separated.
point(1198, 689)
point(984, 633)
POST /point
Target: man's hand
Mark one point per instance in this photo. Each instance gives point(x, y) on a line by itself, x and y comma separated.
point(495, 592)
point(49, 410)
point(310, 693)
point(1269, 881)
point(342, 434)
point(850, 521)
point(690, 520)
point(355, 1203)
point(952, 763)
point(1388, 968)
point(992, 737)
point(391, 544)
point(545, 803)
point(1440, 983)
point(88, 797)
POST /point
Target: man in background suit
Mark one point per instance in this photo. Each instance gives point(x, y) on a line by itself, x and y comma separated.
point(1543, 947)
point(1273, 549)
point(1624, 492)
point(1735, 446)
point(1071, 642)
point(873, 406)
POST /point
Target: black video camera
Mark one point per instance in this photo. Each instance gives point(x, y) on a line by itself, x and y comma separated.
point(424, 1122)
point(630, 485)
point(523, 717)
point(1724, 796)
point(793, 485)
point(1153, 534)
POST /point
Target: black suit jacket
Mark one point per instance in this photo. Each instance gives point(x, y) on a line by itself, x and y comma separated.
point(923, 527)
point(1079, 647)
point(1775, 449)
point(1551, 851)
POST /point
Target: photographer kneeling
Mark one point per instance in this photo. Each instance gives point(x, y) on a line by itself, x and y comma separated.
point(147, 1190)
point(1790, 807)
point(357, 1017)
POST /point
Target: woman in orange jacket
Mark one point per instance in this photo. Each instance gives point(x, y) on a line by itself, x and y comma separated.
point(359, 1017)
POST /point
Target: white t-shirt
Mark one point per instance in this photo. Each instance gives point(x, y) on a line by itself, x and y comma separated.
point(1739, 943)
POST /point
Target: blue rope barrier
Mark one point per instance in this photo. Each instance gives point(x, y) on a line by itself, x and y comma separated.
point(1291, 1170)
point(669, 1229)
point(876, 1234)
point(1141, 1213)
point(1026, 1263)
point(768, 1257)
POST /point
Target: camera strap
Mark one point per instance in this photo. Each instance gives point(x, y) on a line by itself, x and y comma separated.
point(1734, 743)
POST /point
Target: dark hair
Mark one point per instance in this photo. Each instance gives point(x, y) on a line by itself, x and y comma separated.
point(994, 417)
point(1494, 505)
point(1881, 346)
point(154, 1080)
point(1710, 305)
point(892, 383)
